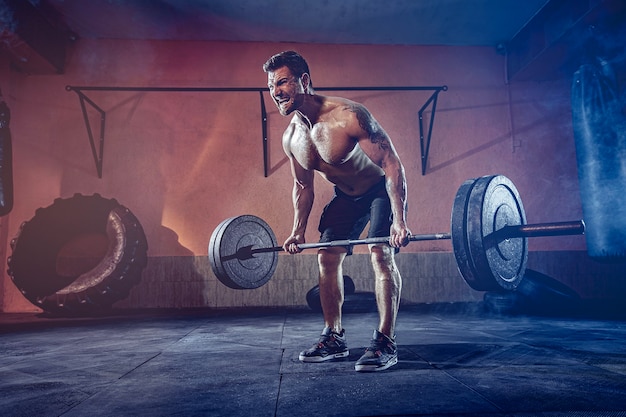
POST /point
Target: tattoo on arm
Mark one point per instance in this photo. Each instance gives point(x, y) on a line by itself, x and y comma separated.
point(369, 125)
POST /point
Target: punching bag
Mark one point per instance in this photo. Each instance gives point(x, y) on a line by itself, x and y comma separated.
point(600, 136)
point(6, 160)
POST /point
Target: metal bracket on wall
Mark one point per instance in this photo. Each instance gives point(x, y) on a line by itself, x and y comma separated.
point(98, 151)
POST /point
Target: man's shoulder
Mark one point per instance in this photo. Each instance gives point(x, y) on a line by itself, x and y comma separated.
point(343, 108)
point(336, 108)
point(333, 102)
point(294, 124)
point(294, 128)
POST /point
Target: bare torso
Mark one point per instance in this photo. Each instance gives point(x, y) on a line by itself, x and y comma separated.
point(327, 148)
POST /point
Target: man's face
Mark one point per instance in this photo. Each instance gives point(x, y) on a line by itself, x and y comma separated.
point(287, 90)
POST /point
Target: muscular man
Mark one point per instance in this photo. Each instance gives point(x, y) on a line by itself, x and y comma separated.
point(343, 142)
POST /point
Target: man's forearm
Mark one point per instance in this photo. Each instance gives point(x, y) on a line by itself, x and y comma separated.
point(303, 197)
point(396, 188)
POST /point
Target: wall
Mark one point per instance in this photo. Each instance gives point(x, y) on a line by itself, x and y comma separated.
point(183, 162)
point(4, 220)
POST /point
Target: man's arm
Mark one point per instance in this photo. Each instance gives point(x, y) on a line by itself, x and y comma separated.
point(302, 196)
point(377, 145)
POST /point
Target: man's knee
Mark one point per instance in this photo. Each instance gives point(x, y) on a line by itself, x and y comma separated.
point(330, 258)
point(381, 255)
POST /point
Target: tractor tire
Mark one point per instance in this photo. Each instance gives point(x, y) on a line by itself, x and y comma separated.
point(79, 255)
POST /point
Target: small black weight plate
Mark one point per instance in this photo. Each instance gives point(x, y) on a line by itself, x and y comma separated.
point(313, 295)
point(458, 232)
point(313, 299)
point(348, 285)
point(233, 234)
point(494, 203)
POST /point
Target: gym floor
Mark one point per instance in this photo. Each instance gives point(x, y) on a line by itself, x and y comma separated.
point(455, 360)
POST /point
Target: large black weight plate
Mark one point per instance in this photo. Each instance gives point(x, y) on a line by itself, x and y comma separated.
point(239, 232)
point(499, 264)
point(460, 243)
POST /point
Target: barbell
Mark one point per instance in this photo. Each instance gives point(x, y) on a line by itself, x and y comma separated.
point(488, 232)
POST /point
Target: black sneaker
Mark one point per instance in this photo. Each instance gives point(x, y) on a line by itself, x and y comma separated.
point(330, 346)
point(380, 355)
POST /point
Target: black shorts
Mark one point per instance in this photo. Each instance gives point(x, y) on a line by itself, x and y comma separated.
point(345, 217)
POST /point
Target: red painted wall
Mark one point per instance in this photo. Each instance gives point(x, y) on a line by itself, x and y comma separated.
point(183, 162)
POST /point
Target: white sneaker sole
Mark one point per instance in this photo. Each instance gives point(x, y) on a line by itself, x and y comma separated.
point(324, 358)
point(375, 368)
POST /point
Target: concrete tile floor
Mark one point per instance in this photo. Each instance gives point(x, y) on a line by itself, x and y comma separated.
point(454, 361)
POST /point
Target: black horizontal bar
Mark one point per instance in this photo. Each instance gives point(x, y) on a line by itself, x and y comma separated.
point(79, 90)
point(248, 89)
point(164, 89)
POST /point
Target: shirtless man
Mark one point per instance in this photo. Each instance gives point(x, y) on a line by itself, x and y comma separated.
point(343, 142)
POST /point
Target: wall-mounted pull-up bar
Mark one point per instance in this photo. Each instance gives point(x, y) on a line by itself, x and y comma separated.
point(98, 151)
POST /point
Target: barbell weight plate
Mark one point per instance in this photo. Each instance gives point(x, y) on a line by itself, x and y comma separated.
point(460, 243)
point(313, 295)
point(236, 233)
point(214, 250)
point(494, 202)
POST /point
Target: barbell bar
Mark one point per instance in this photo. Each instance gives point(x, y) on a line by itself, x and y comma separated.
point(489, 233)
point(575, 227)
point(248, 251)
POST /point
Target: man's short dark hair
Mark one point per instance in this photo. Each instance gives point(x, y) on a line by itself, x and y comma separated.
point(290, 59)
